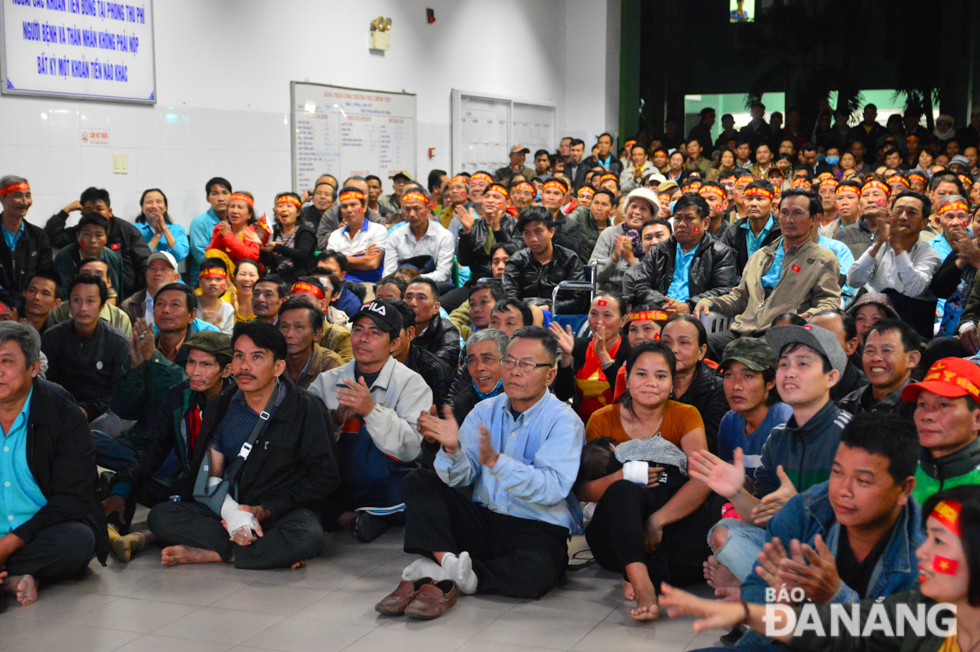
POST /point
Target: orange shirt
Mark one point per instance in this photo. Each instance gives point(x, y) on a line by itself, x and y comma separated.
point(679, 419)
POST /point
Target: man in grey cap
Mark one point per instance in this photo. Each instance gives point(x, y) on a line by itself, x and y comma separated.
point(518, 154)
point(145, 478)
point(798, 454)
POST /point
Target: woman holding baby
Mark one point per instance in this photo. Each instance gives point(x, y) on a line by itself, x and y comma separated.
point(651, 519)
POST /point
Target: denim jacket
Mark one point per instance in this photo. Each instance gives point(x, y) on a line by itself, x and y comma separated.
point(808, 514)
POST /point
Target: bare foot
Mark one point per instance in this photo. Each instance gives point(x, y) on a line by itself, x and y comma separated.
point(646, 605)
point(297, 565)
point(722, 578)
point(729, 593)
point(628, 591)
point(22, 586)
point(177, 555)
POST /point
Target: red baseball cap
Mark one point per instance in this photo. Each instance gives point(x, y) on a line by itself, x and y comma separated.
point(949, 377)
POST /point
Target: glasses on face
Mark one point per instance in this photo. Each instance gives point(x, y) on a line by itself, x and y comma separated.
point(527, 366)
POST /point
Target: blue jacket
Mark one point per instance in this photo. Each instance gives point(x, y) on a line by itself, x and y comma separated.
point(808, 514)
point(181, 246)
point(202, 227)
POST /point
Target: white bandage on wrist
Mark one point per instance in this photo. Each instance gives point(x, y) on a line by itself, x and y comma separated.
point(235, 518)
point(637, 472)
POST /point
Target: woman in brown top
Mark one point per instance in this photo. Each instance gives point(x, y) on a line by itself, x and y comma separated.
point(636, 528)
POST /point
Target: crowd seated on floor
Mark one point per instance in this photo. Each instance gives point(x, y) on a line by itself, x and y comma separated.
point(752, 373)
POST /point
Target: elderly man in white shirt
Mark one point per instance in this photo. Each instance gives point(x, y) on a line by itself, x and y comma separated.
point(419, 238)
point(899, 265)
point(361, 241)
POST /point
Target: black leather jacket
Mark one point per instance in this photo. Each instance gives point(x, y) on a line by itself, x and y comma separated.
point(525, 277)
point(124, 238)
point(442, 340)
point(735, 238)
point(712, 273)
point(31, 256)
point(473, 248)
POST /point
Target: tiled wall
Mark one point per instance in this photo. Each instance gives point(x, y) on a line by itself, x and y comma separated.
point(175, 149)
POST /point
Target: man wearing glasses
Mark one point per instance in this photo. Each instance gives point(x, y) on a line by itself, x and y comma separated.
point(520, 451)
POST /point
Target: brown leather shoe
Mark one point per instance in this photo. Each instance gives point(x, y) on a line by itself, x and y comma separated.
point(433, 600)
point(395, 602)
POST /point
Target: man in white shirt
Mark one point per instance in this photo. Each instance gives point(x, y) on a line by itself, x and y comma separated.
point(420, 241)
point(365, 249)
point(899, 265)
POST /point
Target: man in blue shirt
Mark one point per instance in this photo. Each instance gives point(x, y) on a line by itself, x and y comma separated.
point(202, 227)
point(520, 451)
point(50, 522)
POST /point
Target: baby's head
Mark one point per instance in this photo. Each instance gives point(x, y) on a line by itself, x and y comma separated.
point(598, 459)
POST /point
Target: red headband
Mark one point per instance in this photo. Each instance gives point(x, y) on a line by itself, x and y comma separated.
point(289, 199)
point(898, 178)
point(526, 185)
point(703, 190)
point(460, 177)
point(953, 206)
point(17, 186)
point(496, 187)
point(947, 512)
point(608, 175)
point(352, 194)
point(243, 197)
point(918, 175)
point(309, 288)
point(828, 182)
point(745, 179)
point(759, 192)
point(801, 181)
point(875, 183)
point(481, 175)
point(555, 183)
point(965, 180)
point(648, 315)
point(587, 190)
point(415, 196)
point(844, 188)
point(213, 272)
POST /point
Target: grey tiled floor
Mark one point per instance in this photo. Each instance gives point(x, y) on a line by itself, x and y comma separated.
point(326, 607)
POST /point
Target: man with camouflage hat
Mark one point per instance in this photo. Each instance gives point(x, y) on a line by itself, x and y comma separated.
point(151, 477)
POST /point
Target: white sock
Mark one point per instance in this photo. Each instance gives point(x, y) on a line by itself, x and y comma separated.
point(423, 568)
point(460, 570)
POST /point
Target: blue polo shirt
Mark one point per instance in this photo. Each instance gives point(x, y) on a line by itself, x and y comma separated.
point(20, 497)
point(752, 242)
point(771, 277)
point(679, 290)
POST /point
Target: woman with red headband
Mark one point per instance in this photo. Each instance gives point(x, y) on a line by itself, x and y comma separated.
point(949, 567)
point(236, 239)
point(289, 252)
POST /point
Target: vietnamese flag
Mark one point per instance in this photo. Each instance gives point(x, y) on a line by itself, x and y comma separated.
point(796, 268)
point(945, 566)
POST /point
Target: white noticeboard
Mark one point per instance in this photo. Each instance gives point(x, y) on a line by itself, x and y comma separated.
point(347, 132)
point(486, 127)
point(82, 49)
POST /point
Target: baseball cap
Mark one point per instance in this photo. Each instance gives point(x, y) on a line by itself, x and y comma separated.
point(384, 315)
point(211, 342)
point(647, 195)
point(163, 255)
point(659, 178)
point(818, 339)
point(753, 352)
point(401, 174)
point(949, 377)
point(517, 149)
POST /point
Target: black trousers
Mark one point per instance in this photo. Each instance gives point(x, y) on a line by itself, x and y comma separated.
point(298, 536)
point(512, 556)
point(55, 554)
point(717, 343)
point(617, 536)
point(150, 494)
